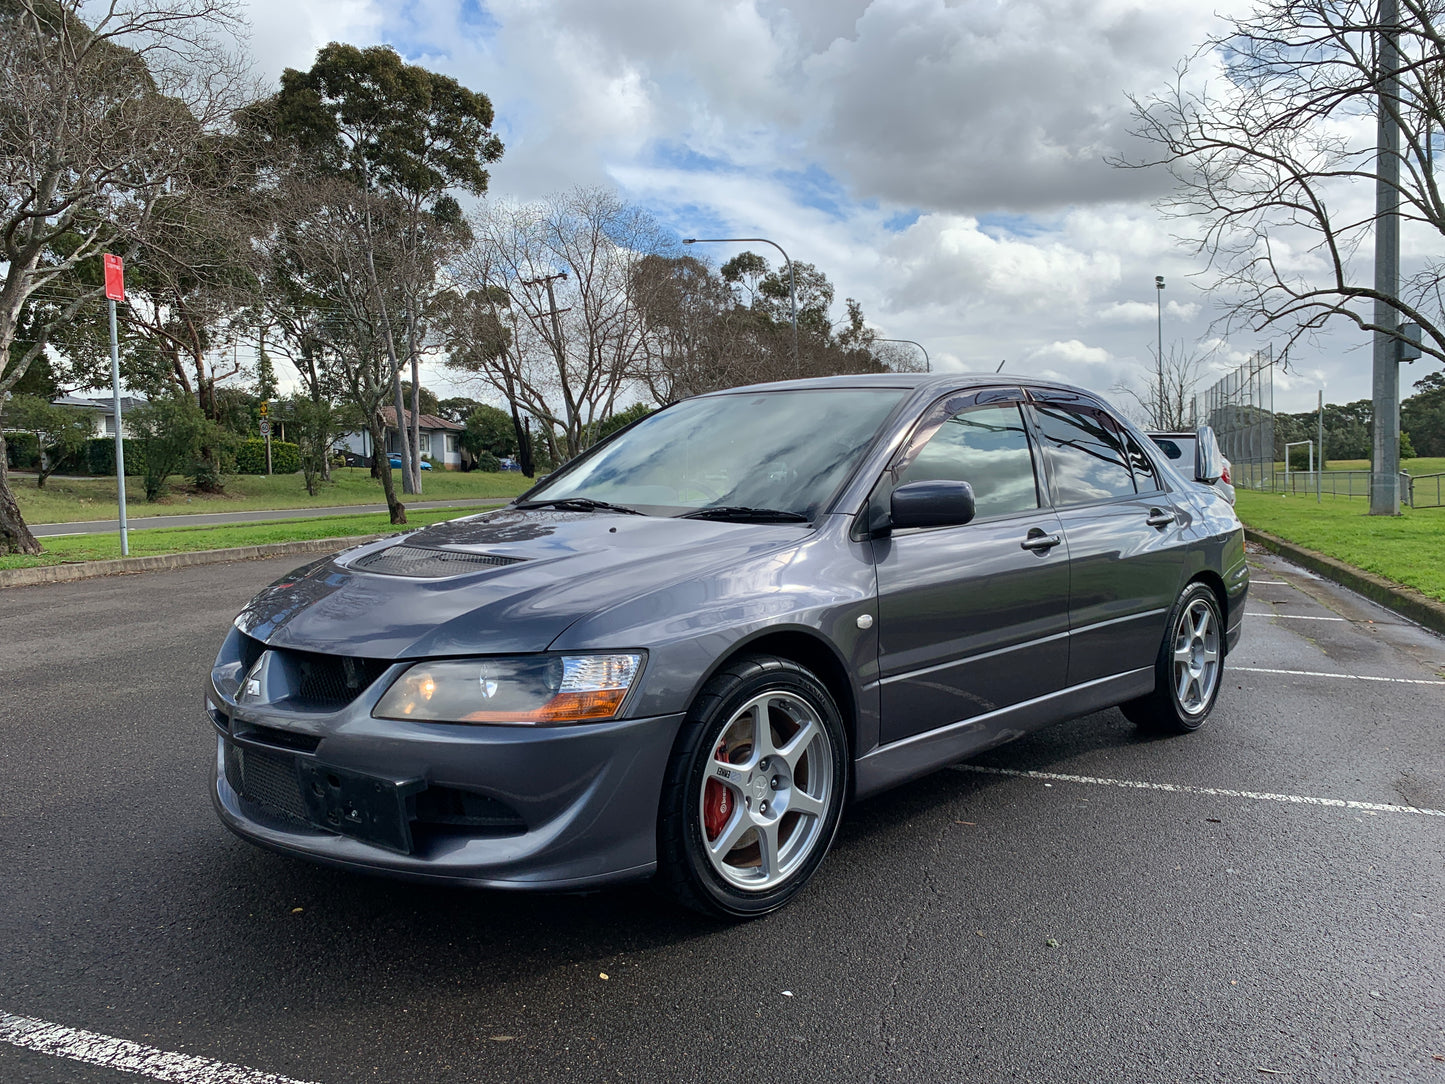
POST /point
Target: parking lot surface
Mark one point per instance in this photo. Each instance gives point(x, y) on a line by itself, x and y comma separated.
point(1261, 900)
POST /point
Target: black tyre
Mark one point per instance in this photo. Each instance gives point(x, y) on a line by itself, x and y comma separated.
point(1188, 669)
point(754, 790)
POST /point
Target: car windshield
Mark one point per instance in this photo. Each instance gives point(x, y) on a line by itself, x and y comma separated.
point(742, 455)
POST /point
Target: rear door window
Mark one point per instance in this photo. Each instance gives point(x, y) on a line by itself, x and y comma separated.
point(1086, 457)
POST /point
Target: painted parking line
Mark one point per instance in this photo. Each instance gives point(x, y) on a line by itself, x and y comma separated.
point(125, 1056)
point(1345, 677)
point(1292, 617)
point(1214, 792)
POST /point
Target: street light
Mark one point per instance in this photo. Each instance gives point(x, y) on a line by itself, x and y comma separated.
point(1159, 356)
point(792, 289)
point(927, 365)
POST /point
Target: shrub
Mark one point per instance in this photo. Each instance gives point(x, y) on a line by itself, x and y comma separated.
point(251, 457)
point(22, 451)
point(488, 462)
point(100, 456)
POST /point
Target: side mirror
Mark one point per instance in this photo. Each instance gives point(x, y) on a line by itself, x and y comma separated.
point(932, 504)
point(1208, 459)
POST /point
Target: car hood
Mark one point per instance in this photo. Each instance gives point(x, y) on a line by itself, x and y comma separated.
point(543, 570)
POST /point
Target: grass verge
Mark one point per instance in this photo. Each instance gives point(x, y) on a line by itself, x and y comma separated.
point(162, 540)
point(1404, 548)
point(71, 500)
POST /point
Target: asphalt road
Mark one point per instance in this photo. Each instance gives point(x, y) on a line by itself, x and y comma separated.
point(1201, 923)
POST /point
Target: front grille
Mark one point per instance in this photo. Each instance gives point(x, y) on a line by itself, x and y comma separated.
point(424, 562)
point(268, 779)
point(454, 808)
point(330, 682)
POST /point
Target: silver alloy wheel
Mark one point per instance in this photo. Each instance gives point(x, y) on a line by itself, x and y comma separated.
point(1196, 657)
point(775, 761)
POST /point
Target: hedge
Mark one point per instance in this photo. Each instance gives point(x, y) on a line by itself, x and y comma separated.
point(22, 451)
point(100, 456)
point(251, 457)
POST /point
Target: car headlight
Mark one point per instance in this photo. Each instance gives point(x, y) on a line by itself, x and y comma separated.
point(526, 691)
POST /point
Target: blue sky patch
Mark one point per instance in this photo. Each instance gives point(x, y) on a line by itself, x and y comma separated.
point(901, 220)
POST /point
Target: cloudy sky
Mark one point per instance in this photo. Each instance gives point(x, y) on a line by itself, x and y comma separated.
point(943, 161)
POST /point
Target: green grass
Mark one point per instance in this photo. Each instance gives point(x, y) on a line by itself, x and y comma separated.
point(161, 540)
point(1405, 548)
point(67, 500)
point(1417, 467)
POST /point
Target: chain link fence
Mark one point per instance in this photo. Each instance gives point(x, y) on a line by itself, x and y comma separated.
point(1240, 408)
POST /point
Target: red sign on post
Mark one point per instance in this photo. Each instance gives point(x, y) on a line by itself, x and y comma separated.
point(114, 277)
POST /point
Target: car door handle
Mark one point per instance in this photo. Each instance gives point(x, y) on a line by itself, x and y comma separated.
point(1159, 519)
point(1038, 541)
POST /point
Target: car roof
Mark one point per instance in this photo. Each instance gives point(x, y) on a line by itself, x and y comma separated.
point(910, 382)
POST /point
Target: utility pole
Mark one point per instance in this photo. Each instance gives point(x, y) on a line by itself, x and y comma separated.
point(1159, 350)
point(1385, 461)
point(115, 291)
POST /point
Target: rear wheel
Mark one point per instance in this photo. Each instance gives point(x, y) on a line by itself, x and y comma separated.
point(1188, 667)
point(754, 789)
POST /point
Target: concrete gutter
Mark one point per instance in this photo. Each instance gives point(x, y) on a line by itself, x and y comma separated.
point(84, 570)
point(1405, 601)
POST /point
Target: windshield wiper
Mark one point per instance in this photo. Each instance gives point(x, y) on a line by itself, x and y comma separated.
point(742, 514)
point(580, 504)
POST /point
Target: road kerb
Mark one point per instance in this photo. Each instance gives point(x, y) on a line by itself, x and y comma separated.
point(84, 570)
point(1405, 601)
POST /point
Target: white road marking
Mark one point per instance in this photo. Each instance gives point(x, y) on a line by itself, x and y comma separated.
point(1346, 677)
point(1271, 583)
point(1218, 792)
point(125, 1056)
point(1292, 617)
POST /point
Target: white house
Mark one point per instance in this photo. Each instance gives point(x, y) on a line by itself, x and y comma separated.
point(438, 439)
point(102, 411)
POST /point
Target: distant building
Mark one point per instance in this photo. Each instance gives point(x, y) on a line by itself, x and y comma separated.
point(438, 439)
point(103, 411)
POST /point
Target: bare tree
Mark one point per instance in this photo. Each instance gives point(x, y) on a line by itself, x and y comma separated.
point(1165, 402)
point(560, 278)
point(97, 122)
point(1274, 168)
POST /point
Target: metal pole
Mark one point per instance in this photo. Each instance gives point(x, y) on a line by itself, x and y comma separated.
point(1385, 463)
point(1159, 358)
point(119, 440)
point(792, 286)
point(1321, 434)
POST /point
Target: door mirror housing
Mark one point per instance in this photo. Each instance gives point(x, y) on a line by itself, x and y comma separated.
point(936, 503)
point(1208, 459)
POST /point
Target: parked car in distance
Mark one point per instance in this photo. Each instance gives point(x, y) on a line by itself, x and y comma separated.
point(684, 653)
point(395, 460)
point(508, 463)
point(1180, 448)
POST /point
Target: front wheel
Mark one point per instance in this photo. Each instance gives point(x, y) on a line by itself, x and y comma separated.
point(754, 790)
point(1188, 667)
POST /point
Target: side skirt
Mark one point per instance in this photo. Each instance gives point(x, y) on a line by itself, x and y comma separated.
point(895, 763)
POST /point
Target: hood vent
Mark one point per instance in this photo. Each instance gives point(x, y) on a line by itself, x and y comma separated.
point(422, 562)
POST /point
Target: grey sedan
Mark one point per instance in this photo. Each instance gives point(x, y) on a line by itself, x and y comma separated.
point(685, 652)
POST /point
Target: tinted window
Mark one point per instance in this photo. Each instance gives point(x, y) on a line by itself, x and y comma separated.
point(989, 449)
point(1145, 479)
point(1086, 459)
point(1168, 447)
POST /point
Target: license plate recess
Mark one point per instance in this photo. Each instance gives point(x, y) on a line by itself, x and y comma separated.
point(365, 807)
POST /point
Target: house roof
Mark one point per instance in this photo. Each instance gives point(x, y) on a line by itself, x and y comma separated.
point(428, 421)
point(104, 405)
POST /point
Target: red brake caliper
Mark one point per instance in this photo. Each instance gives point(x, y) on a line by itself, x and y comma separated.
point(717, 805)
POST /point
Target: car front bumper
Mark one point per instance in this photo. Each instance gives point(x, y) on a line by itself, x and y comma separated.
point(490, 806)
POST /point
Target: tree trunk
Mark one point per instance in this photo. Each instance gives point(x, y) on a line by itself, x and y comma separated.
point(15, 537)
point(388, 486)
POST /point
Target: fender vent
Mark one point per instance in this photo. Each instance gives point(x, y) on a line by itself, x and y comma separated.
point(425, 563)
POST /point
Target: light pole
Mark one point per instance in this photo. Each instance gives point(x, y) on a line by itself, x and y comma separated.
point(927, 365)
point(1159, 355)
point(792, 288)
